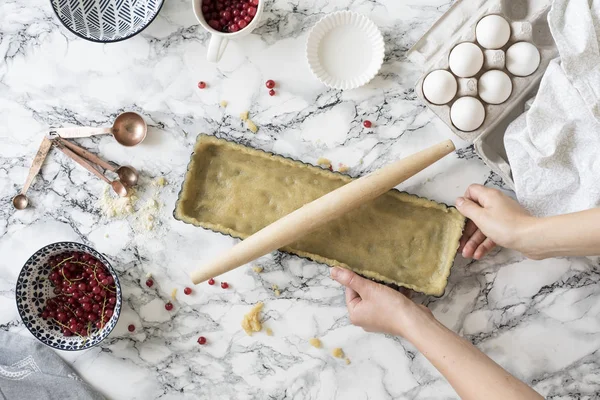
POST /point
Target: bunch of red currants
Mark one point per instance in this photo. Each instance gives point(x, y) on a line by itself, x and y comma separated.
point(85, 292)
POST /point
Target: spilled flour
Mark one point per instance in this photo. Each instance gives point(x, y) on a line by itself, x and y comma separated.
point(142, 214)
point(113, 206)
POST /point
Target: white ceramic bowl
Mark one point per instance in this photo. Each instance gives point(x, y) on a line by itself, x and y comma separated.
point(345, 50)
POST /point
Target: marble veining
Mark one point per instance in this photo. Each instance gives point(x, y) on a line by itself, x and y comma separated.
point(540, 320)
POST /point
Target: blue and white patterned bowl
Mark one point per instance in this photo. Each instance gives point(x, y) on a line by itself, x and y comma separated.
point(106, 21)
point(34, 288)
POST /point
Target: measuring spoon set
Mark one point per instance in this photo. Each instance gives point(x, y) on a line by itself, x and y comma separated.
point(129, 129)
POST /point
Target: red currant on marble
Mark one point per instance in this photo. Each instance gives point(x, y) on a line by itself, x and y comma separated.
point(367, 123)
point(201, 340)
point(187, 291)
point(149, 283)
point(271, 92)
point(270, 84)
point(201, 85)
point(169, 306)
point(211, 281)
point(224, 285)
point(131, 328)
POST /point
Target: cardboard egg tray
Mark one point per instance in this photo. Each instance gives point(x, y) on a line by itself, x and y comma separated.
point(528, 22)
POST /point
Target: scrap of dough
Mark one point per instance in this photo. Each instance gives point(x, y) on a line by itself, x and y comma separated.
point(314, 342)
point(223, 103)
point(161, 181)
point(257, 269)
point(251, 126)
point(343, 168)
point(323, 161)
point(347, 361)
point(244, 116)
point(269, 332)
point(275, 289)
point(251, 322)
point(338, 352)
point(174, 294)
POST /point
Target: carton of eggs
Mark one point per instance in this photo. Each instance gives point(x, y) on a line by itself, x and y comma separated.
point(466, 60)
point(481, 61)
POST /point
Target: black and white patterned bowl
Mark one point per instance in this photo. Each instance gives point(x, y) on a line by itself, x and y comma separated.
point(34, 288)
point(106, 21)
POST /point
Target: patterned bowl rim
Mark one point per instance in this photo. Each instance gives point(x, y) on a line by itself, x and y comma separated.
point(161, 2)
point(110, 268)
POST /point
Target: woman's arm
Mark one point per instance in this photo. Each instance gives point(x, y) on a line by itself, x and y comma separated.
point(496, 218)
point(472, 374)
point(576, 234)
point(377, 308)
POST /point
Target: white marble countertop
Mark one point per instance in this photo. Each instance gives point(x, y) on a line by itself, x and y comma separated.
point(540, 320)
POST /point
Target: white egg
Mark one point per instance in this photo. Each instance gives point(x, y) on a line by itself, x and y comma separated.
point(492, 32)
point(466, 59)
point(495, 87)
point(439, 87)
point(467, 113)
point(522, 59)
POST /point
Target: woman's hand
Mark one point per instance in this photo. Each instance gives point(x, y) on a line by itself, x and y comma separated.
point(494, 218)
point(378, 308)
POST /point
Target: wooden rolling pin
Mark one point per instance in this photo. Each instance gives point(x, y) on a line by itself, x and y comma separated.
point(322, 210)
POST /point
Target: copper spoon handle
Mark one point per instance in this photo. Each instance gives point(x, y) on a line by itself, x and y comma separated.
point(87, 155)
point(80, 132)
point(36, 165)
point(79, 160)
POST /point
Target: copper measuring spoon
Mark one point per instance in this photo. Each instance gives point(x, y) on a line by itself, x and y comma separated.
point(20, 201)
point(129, 129)
point(117, 186)
point(127, 174)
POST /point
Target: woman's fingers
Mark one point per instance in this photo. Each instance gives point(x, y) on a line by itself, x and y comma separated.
point(470, 229)
point(473, 243)
point(352, 298)
point(480, 194)
point(469, 208)
point(352, 280)
point(484, 248)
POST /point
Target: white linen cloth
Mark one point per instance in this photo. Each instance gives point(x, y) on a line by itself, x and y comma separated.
point(554, 148)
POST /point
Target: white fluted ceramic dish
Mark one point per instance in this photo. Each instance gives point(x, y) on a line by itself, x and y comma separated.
point(345, 50)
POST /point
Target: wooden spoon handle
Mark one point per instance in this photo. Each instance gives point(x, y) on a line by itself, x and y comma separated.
point(322, 210)
point(79, 160)
point(86, 154)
